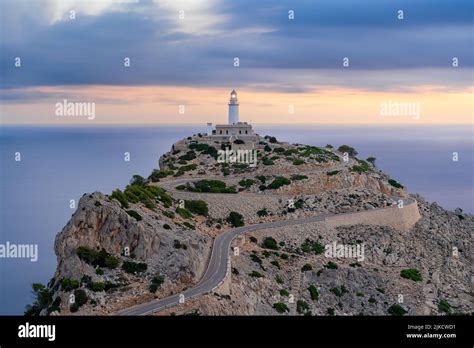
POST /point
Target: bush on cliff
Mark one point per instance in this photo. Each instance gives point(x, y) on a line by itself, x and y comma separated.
point(119, 196)
point(412, 274)
point(270, 243)
point(395, 183)
point(281, 307)
point(134, 267)
point(134, 214)
point(235, 219)
point(350, 150)
point(279, 182)
point(97, 258)
point(197, 207)
point(396, 309)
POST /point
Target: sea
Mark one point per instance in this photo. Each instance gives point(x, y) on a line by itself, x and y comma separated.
point(43, 168)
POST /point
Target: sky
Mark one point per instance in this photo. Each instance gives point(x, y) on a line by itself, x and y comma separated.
point(414, 67)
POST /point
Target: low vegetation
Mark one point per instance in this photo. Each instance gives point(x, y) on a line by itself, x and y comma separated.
point(208, 186)
point(396, 309)
point(235, 219)
point(97, 258)
point(412, 274)
point(134, 267)
point(281, 307)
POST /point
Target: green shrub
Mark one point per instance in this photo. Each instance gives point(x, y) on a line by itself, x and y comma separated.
point(306, 267)
point(444, 306)
point(184, 213)
point(302, 306)
point(267, 162)
point(119, 196)
point(371, 160)
point(190, 155)
point(396, 309)
point(97, 204)
point(281, 307)
point(246, 183)
point(330, 311)
point(279, 182)
point(395, 183)
point(253, 239)
point(262, 178)
point(310, 246)
point(412, 274)
point(334, 172)
point(331, 265)
point(99, 271)
point(96, 287)
point(284, 292)
point(276, 264)
point(297, 177)
point(189, 225)
point(235, 219)
point(134, 214)
point(156, 282)
point(339, 291)
point(358, 168)
point(262, 212)
point(80, 297)
point(270, 243)
point(169, 214)
point(313, 293)
point(69, 284)
point(350, 150)
point(298, 162)
point(256, 259)
point(202, 147)
point(134, 267)
point(156, 175)
point(271, 139)
point(210, 186)
point(186, 168)
point(167, 227)
point(255, 274)
point(197, 207)
point(97, 258)
point(178, 245)
point(279, 279)
point(284, 256)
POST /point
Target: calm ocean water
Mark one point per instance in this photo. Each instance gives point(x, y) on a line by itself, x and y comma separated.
point(59, 164)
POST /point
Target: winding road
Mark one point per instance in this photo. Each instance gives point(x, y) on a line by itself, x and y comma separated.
point(219, 264)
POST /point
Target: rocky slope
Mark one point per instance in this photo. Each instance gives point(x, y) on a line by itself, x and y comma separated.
point(154, 239)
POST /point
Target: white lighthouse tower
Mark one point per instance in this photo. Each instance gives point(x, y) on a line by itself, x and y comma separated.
point(233, 108)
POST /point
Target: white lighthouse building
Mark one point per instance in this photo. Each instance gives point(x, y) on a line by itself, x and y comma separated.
point(234, 129)
point(233, 108)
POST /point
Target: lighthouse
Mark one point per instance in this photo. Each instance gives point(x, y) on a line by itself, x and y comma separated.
point(233, 108)
point(234, 129)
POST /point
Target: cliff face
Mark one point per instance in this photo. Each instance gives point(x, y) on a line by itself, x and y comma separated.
point(169, 250)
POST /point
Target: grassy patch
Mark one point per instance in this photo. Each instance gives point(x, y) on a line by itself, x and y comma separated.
point(412, 274)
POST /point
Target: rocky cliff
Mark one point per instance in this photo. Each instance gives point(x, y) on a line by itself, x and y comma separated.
point(155, 238)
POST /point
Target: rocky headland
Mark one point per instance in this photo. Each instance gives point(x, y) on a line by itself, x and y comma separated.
point(155, 237)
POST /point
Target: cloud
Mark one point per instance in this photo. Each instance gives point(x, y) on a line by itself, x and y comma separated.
point(275, 53)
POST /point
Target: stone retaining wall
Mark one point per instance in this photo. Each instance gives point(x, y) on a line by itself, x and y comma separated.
point(401, 219)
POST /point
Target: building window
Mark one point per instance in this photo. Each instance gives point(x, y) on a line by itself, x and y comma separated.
point(246, 132)
point(226, 132)
point(240, 132)
point(220, 132)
